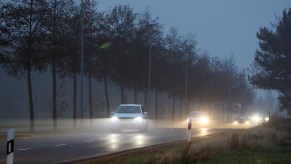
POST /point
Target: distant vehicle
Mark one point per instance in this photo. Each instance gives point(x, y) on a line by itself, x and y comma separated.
point(130, 116)
point(257, 119)
point(241, 120)
point(198, 119)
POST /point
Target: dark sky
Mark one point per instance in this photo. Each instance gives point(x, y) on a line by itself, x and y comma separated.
point(222, 27)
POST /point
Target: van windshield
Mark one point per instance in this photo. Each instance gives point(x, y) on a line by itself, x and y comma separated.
point(197, 114)
point(128, 109)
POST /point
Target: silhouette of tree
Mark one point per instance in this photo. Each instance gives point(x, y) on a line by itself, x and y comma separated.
point(271, 68)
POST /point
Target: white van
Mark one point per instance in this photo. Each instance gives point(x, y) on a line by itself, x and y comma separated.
point(198, 119)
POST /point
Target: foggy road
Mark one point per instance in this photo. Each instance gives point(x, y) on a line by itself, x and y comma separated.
point(59, 148)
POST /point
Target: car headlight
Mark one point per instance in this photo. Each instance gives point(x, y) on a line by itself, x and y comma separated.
point(203, 120)
point(138, 118)
point(256, 118)
point(235, 122)
point(247, 122)
point(267, 119)
point(114, 118)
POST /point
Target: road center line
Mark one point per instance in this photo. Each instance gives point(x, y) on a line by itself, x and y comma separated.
point(89, 141)
point(60, 145)
point(23, 149)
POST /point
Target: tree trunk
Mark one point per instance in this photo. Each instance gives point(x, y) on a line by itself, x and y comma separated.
point(173, 108)
point(54, 69)
point(30, 95)
point(145, 98)
point(54, 95)
point(135, 93)
point(156, 106)
point(180, 108)
point(106, 94)
point(90, 96)
point(105, 67)
point(122, 99)
point(31, 110)
point(75, 100)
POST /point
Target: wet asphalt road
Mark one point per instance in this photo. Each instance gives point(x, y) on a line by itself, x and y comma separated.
point(73, 145)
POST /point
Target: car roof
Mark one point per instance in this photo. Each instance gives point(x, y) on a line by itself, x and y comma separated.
point(241, 117)
point(197, 112)
point(130, 105)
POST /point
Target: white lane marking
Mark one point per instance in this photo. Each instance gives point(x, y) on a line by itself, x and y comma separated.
point(89, 141)
point(60, 145)
point(23, 149)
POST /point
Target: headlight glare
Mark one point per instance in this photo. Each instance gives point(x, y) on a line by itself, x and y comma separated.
point(114, 118)
point(256, 118)
point(203, 120)
point(138, 118)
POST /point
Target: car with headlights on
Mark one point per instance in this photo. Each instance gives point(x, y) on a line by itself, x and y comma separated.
point(130, 116)
point(199, 119)
point(241, 120)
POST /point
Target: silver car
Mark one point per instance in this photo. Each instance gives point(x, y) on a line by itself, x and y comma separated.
point(130, 116)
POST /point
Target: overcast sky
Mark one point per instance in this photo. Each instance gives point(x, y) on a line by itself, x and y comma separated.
point(222, 27)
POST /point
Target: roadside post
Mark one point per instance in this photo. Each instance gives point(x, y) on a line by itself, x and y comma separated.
point(189, 130)
point(10, 146)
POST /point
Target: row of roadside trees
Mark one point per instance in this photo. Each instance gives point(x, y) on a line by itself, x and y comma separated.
point(119, 45)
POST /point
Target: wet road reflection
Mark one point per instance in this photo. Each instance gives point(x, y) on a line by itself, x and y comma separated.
point(116, 141)
point(55, 148)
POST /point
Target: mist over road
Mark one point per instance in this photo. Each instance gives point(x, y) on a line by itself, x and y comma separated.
point(89, 142)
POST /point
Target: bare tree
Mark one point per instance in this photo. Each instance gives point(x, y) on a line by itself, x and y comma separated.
point(25, 36)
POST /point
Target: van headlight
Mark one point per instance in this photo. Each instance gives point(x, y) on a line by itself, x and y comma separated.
point(203, 120)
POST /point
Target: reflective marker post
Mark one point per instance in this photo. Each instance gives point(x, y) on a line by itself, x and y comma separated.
point(10, 146)
point(189, 130)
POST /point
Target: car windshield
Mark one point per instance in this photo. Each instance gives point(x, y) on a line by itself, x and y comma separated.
point(241, 118)
point(128, 109)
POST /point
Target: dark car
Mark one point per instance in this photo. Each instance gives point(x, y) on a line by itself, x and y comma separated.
point(241, 120)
